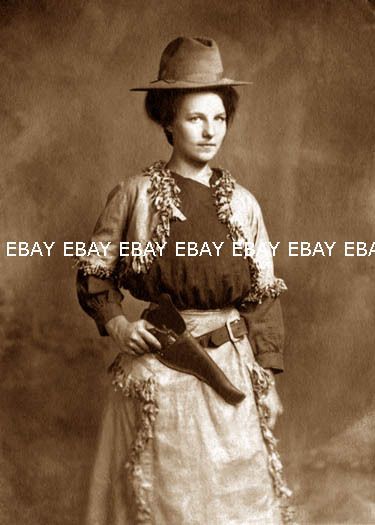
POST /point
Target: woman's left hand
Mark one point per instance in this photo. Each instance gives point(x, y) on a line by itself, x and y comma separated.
point(273, 403)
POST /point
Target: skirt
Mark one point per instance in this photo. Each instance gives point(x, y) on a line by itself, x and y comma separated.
point(173, 452)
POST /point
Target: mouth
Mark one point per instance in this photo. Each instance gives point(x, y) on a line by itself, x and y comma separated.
point(207, 145)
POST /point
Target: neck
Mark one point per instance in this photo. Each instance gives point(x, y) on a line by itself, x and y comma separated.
point(189, 169)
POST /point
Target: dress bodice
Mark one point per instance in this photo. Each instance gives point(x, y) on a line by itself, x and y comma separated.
point(211, 278)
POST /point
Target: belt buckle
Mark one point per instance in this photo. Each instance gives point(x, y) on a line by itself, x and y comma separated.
point(230, 332)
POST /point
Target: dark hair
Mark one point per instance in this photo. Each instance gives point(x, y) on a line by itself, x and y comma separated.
point(161, 104)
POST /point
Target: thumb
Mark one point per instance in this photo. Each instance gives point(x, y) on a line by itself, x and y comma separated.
point(146, 324)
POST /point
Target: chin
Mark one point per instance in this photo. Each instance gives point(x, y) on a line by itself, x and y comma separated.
point(205, 157)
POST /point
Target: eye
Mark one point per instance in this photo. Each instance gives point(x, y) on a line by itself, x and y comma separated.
point(221, 118)
point(194, 118)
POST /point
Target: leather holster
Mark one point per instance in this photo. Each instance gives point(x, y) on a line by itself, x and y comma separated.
point(182, 352)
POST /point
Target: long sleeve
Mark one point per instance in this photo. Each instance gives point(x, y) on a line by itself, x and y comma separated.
point(99, 298)
point(263, 314)
point(109, 230)
point(266, 332)
point(97, 292)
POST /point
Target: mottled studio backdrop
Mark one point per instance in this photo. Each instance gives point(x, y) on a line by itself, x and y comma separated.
point(303, 143)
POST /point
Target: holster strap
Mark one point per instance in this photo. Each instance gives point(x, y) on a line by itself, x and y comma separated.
point(231, 331)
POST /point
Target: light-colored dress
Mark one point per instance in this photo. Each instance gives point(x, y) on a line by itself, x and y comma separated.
point(171, 450)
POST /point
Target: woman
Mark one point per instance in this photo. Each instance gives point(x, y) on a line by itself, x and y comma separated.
point(178, 447)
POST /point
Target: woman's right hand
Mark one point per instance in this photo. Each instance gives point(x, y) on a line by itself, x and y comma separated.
point(132, 338)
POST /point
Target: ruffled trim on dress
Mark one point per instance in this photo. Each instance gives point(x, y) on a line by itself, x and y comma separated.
point(223, 188)
point(144, 391)
point(164, 196)
point(270, 290)
point(94, 269)
point(165, 200)
point(262, 381)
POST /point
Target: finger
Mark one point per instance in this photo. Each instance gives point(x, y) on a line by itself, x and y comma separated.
point(138, 344)
point(135, 344)
point(126, 348)
point(151, 340)
point(146, 324)
point(128, 351)
point(135, 350)
point(145, 331)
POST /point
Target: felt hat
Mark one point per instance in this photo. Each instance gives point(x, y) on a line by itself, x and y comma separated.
point(190, 63)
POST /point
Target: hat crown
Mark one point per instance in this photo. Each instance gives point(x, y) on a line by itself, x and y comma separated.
point(191, 59)
point(190, 63)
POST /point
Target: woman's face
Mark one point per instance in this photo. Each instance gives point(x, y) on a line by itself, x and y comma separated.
point(199, 127)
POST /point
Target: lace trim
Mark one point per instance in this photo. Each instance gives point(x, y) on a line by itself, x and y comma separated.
point(145, 393)
point(93, 269)
point(223, 189)
point(165, 198)
point(262, 382)
point(270, 290)
point(274, 289)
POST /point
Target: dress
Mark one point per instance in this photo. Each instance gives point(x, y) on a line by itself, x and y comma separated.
point(171, 451)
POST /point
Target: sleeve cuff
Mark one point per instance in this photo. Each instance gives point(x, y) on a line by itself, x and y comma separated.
point(107, 311)
point(273, 360)
point(105, 314)
point(99, 298)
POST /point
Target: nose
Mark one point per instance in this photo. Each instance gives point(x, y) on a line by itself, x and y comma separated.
point(208, 129)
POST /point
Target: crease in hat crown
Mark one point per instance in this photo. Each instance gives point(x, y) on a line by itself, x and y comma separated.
point(190, 63)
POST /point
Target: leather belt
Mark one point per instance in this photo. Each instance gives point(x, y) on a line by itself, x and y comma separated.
point(231, 331)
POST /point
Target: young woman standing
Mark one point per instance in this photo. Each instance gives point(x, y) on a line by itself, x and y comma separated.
point(173, 448)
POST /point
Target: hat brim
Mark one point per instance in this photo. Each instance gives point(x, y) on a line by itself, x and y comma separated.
point(183, 84)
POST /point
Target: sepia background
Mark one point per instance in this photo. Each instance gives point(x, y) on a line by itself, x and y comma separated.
point(302, 142)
